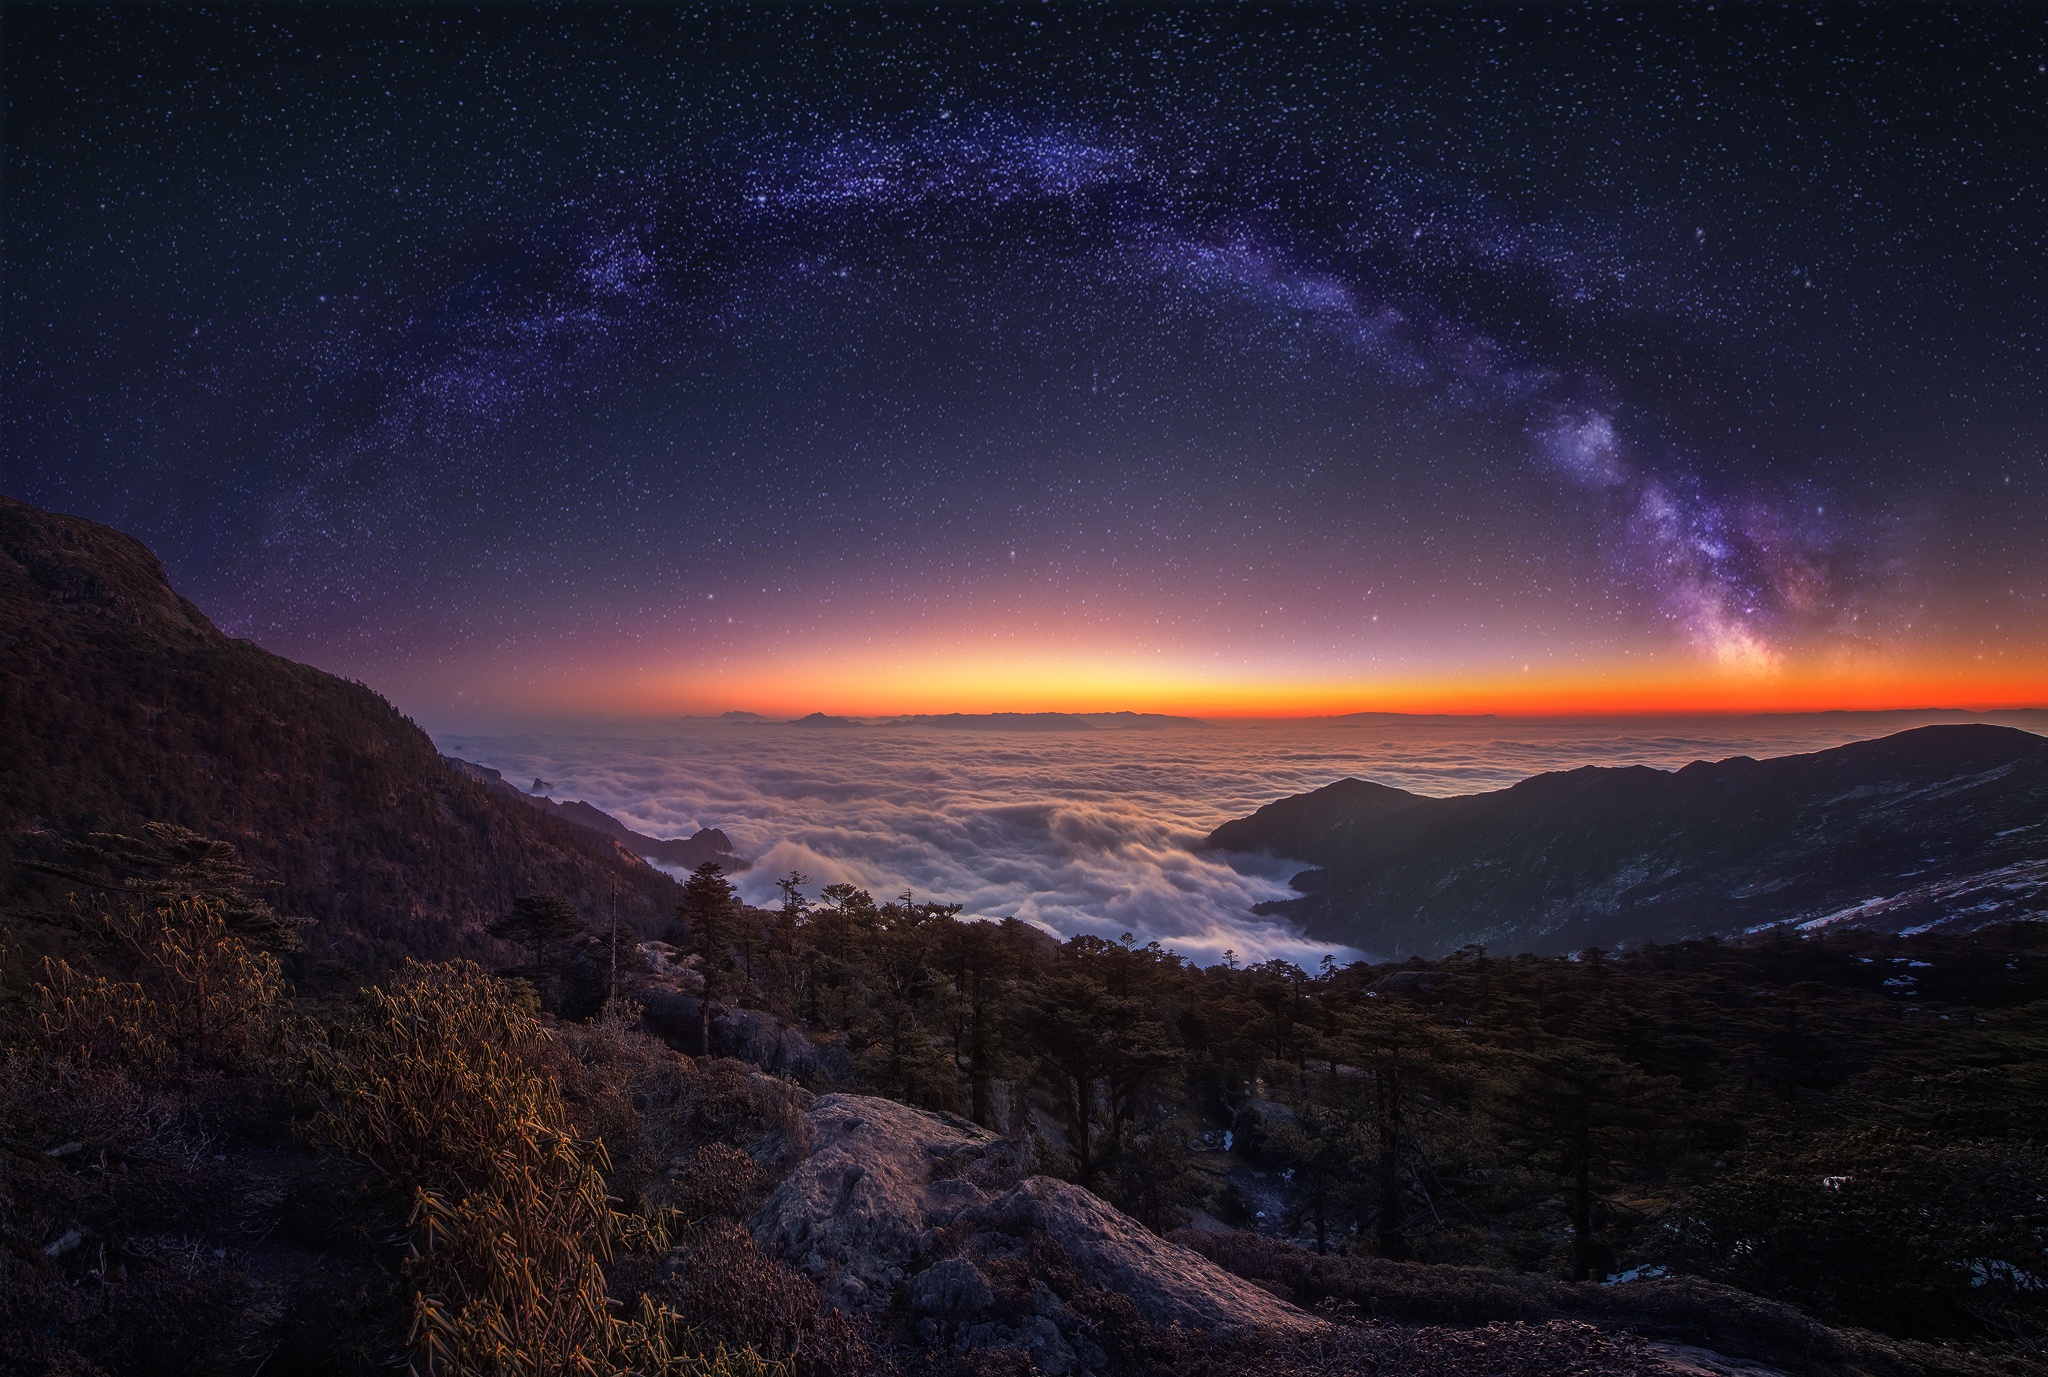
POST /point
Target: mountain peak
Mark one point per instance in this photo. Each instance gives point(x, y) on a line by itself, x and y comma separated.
point(66, 567)
point(1310, 826)
point(126, 706)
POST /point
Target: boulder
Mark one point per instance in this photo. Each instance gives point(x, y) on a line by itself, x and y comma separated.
point(1169, 1284)
point(858, 1213)
point(951, 1290)
point(670, 969)
point(671, 1016)
point(891, 1201)
point(1408, 982)
point(761, 1039)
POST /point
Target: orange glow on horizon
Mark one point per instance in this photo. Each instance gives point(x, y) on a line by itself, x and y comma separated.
point(1069, 682)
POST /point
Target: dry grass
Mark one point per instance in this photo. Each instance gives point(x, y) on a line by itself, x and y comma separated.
point(436, 1083)
point(736, 1294)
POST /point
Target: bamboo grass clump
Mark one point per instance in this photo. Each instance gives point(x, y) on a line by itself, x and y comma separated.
point(511, 1221)
point(97, 1021)
point(200, 990)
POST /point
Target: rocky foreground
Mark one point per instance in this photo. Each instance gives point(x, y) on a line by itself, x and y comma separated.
point(936, 1232)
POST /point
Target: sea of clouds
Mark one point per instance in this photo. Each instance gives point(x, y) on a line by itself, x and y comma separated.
point(1085, 831)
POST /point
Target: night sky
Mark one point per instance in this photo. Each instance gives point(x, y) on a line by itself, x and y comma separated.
point(1217, 359)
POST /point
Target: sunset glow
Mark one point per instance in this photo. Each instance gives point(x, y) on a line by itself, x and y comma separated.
point(941, 680)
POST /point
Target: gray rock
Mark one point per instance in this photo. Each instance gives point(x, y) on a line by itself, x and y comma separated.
point(948, 1199)
point(752, 1035)
point(857, 1213)
point(749, 1035)
point(860, 1216)
point(671, 969)
point(950, 1290)
point(1169, 1284)
point(1684, 1360)
point(1408, 982)
point(1050, 1352)
point(671, 1016)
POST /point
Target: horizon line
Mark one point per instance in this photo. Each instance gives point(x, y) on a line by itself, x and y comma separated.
point(1550, 715)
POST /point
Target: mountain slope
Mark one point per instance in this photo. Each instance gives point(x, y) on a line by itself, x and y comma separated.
point(120, 704)
point(1945, 824)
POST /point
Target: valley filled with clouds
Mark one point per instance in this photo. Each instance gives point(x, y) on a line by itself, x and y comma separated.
point(1081, 831)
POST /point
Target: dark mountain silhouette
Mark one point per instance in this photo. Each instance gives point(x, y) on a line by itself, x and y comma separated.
point(1940, 825)
point(1141, 721)
point(687, 853)
point(1323, 826)
point(821, 719)
point(121, 704)
point(996, 722)
point(1044, 721)
point(1368, 718)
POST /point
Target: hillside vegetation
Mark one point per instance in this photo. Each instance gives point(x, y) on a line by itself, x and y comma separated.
point(1850, 1122)
point(1828, 1148)
point(121, 704)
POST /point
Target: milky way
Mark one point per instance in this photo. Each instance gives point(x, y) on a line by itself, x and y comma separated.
point(649, 357)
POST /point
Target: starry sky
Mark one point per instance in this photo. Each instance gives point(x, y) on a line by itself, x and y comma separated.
point(1224, 359)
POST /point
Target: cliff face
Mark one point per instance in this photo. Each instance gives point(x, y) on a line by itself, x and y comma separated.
point(1942, 825)
point(120, 704)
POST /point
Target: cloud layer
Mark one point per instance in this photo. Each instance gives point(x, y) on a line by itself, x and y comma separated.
point(1082, 832)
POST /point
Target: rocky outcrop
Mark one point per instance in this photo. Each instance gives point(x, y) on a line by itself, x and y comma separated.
point(749, 1035)
point(1110, 1251)
point(859, 1213)
point(895, 1210)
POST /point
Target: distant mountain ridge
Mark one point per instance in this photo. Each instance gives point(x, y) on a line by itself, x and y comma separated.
point(684, 853)
point(1942, 825)
point(1045, 721)
point(982, 721)
point(121, 704)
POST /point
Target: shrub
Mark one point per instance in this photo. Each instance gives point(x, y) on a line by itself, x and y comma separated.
point(96, 1021)
point(719, 1182)
point(433, 1084)
point(732, 1292)
point(200, 991)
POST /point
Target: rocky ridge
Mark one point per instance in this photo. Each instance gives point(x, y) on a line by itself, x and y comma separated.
point(681, 853)
point(1941, 825)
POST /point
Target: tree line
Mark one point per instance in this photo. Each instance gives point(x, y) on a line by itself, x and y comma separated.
point(1849, 1121)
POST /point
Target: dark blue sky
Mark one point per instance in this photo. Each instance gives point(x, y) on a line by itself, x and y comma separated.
point(650, 356)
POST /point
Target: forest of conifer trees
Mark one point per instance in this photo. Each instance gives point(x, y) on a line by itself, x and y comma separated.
point(205, 1166)
point(1847, 1121)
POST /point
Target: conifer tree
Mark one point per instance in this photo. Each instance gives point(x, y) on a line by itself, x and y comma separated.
point(536, 922)
point(709, 916)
